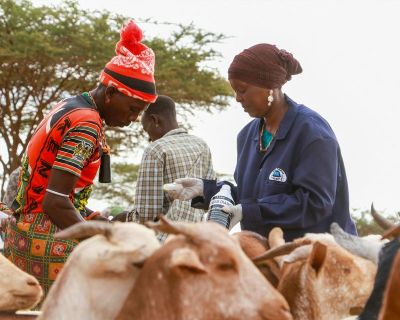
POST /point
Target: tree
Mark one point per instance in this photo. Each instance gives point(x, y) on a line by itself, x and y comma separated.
point(120, 192)
point(48, 53)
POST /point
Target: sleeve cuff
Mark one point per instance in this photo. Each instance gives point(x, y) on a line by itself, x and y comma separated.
point(251, 213)
point(209, 189)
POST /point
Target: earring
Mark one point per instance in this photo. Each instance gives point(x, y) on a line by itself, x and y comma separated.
point(270, 98)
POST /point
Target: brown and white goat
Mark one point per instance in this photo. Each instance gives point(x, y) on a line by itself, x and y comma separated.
point(18, 290)
point(100, 272)
point(201, 273)
point(321, 280)
point(386, 251)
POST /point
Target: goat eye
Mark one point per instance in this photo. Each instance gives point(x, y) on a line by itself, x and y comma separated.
point(225, 266)
point(347, 270)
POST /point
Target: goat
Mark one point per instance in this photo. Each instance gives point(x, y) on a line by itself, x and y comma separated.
point(378, 250)
point(100, 272)
point(386, 253)
point(18, 290)
point(201, 273)
point(319, 279)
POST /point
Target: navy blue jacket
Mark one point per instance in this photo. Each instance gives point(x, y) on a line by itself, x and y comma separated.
point(299, 184)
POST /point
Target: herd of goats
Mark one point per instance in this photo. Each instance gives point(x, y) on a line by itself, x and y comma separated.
point(121, 271)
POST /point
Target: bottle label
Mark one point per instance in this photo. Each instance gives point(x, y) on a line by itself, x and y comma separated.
point(222, 201)
point(216, 214)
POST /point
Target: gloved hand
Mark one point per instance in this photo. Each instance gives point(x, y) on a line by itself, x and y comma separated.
point(236, 213)
point(184, 188)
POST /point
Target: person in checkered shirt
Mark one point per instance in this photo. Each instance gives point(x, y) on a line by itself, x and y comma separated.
point(172, 154)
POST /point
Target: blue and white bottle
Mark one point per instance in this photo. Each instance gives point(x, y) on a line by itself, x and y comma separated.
point(218, 201)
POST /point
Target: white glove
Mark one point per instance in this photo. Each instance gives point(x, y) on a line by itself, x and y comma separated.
point(236, 213)
point(184, 188)
point(204, 218)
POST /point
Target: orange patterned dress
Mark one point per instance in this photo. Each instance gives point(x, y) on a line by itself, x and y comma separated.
point(67, 139)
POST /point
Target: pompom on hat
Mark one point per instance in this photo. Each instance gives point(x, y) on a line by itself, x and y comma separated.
point(131, 71)
point(265, 66)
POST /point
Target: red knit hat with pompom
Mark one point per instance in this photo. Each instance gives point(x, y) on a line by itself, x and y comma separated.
point(131, 71)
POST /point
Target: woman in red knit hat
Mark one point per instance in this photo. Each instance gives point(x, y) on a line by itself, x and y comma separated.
point(65, 153)
point(289, 170)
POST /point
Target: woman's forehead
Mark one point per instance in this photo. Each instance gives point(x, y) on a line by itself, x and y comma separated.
point(237, 82)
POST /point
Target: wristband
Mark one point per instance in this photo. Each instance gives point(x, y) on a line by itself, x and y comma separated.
point(57, 193)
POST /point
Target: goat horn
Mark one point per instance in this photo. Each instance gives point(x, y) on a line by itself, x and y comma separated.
point(392, 232)
point(164, 225)
point(85, 230)
point(381, 220)
point(279, 251)
point(354, 244)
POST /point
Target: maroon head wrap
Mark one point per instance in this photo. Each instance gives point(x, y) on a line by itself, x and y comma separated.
point(265, 66)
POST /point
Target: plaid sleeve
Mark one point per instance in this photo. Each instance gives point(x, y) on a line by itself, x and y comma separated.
point(149, 195)
point(78, 146)
point(209, 170)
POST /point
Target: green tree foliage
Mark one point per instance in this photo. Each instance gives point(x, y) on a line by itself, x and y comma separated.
point(120, 192)
point(48, 53)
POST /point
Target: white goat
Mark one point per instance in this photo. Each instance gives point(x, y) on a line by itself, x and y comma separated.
point(367, 247)
point(100, 272)
point(18, 290)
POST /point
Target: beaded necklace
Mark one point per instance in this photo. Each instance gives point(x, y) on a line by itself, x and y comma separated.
point(88, 97)
point(93, 102)
point(265, 138)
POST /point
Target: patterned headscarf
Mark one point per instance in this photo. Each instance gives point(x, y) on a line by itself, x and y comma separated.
point(131, 71)
point(265, 66)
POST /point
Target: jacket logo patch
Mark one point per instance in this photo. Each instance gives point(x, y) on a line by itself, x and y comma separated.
point(83, 151)
point(278, 175)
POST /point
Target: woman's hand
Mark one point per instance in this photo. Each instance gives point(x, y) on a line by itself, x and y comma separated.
point(235, 212)
point(184, 188)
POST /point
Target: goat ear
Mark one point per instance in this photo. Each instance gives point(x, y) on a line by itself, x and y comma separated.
point(185, 258)
point(317, 256)
point(275, 238)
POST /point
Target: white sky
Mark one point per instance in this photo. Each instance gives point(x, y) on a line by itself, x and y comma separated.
point(349, 51)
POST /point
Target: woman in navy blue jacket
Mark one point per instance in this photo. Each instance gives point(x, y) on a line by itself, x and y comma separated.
point(289, 170)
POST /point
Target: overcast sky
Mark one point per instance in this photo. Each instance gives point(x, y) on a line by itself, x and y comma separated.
point(349, 51)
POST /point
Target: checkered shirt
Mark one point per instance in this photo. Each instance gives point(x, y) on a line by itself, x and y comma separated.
point(176, 155)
